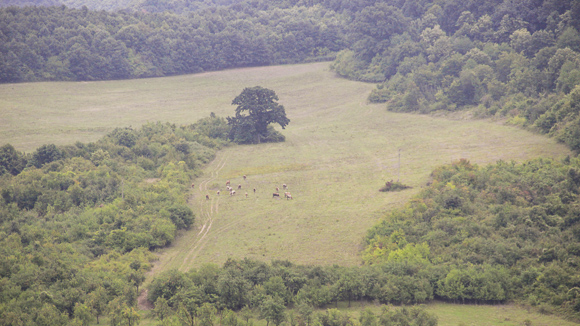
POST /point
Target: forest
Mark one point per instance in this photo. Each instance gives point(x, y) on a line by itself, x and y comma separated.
point(78, 222)
point(518, 60)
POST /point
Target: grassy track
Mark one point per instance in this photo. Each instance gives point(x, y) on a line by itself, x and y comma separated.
point(339, 152)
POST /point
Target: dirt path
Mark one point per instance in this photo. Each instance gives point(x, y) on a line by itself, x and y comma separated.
point(208, 211)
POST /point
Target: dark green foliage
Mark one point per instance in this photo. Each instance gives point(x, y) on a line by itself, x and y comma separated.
point(46, 154)
point(496, 233)
point(181, 216)
point(124, 137)
point(257, 108)
point(77, 224)
point(497, 58)
point(269, 288)
point(11, 161)
point(60, 43)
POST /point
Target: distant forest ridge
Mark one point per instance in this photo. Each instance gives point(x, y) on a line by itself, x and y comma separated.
point(61, 43)
point(71, 40)
point(114, 5)
point(519, 59)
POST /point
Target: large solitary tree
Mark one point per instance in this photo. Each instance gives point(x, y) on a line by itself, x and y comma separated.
point(257, 109)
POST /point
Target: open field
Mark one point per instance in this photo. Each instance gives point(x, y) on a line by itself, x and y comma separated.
point(447, 315)
point(339, 151)
point(473, 315)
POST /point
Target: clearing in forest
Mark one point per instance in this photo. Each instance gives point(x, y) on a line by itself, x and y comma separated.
point(339, 151)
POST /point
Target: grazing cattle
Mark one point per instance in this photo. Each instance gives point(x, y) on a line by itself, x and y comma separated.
point(239, 187)
point(244, 177)
point(217, 192)
point(229, 188)
point(207, 197)
point(284, 186)
point(274, 195)
point(193, 185)
point(288, 196)
point(277, 189)
point(254, 190)
point(246, 194)
point(228, 183)
point(233, 192)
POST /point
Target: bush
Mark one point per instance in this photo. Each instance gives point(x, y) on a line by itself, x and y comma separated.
point(393, 186)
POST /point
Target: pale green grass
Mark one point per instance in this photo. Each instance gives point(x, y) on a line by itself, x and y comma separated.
point(339, 152)
point(447, 315)
point(32, 114)
point(472, 315)
point(469, 315)
point(483, 315)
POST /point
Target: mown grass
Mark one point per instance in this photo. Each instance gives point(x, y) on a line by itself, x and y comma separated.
point(339, 151)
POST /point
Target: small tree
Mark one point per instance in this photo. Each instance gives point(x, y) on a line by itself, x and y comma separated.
point(272, 309)
point(262, 110)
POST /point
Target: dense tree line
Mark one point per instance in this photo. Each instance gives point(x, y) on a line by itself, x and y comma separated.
point(504, 231)
point(258, 289)
point(77, 222)
point(519, 59)
point(58, 43)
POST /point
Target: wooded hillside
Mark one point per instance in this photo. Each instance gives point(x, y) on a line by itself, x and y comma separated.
point(58, 43)
point(518, 59)
point(77, 224)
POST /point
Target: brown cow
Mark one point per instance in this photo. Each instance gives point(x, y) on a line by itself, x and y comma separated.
point(228, 183)
point(239, 187)
point(207, 197)
point(233, 192)
point(217, 192)
point(284, 186)
point(246, 194)
point(274, 195)
point(288, 196)
point(254, 190)
point(244, 177)
point(277, 189)
point(193, 185)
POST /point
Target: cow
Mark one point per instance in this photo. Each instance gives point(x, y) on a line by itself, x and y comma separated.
point(246, 194)
point(193, 185)
point(239, 187)
point(244, 177)
point(277, 189)
point(288, 196)
point(274, 195)
point(207, 197)
point(232, 192)
point(254, 190)
point(217, 192)
point(227, 183)
point(229, 188)
point(284, 186)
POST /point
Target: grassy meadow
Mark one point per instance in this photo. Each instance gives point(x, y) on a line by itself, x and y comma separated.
point(447, 315)
point(339, 151)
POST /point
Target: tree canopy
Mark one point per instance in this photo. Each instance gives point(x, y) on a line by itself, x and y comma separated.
point(257, 109)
